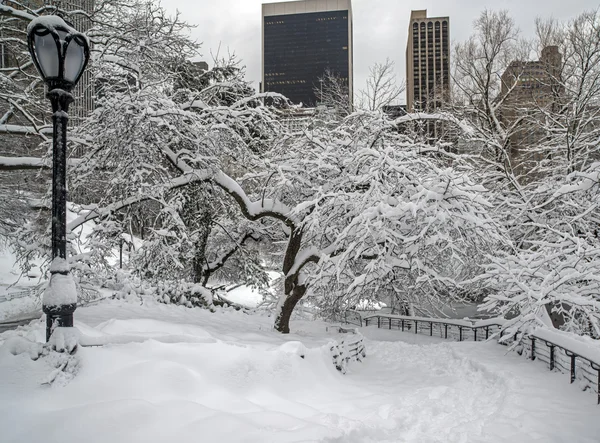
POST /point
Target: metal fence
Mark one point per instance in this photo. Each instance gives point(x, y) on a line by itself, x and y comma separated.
point(86, 294)
point(31, 292)
point(352, 318)
point(558, 357)
point(460, 330)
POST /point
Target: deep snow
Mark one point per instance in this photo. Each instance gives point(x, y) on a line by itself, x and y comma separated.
point(240, 383)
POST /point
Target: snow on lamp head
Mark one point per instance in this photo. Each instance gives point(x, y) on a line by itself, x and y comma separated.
point(59, 52)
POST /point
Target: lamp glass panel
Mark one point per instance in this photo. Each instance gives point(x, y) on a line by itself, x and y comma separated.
point(74, 59)
point(47, 54)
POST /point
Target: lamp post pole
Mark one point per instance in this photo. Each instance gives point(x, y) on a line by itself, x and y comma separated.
point(60, 54)
point(60, 101)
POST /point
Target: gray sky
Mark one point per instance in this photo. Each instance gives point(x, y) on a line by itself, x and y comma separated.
point(380, 26)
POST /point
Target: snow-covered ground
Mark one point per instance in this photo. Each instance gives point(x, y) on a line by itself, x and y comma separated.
point(227, 377)
point(249, 297)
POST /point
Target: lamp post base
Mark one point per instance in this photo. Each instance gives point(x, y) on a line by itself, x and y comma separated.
point(64, 315)
point(60, 297)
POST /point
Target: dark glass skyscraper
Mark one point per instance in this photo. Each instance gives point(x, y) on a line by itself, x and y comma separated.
point(301, 40)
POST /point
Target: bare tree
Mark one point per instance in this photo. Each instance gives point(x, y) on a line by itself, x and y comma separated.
point(484, 86)
point(333, 92)
point(382, 87)
point(573, 124)
point(547, 32)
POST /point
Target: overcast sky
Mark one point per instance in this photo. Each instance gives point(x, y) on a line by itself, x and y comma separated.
point(380, 26)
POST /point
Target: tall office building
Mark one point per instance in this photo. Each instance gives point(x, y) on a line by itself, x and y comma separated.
point(300, 41)
point(427, 62)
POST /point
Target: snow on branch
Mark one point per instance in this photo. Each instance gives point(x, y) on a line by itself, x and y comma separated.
point(21, 163)
point(220, 261)
point(186, 179)
point(24, 130)
point(16, 13)
point(417, 116)
point(252, 210)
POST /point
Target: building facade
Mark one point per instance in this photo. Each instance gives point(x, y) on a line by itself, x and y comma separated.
point(301, 40)
point(83, 93)
point(528, 87)
point(427, 62)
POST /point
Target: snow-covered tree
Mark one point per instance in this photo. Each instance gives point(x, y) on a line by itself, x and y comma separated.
point(553, 223)
point(374, 214)
point(555, 268)
point(139, 59)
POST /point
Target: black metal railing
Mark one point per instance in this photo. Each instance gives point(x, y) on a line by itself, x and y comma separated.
point(537, 345)
point(586, 369)
point(29, 292)
point(353, 318)
point(86, 294)
point(460, 330)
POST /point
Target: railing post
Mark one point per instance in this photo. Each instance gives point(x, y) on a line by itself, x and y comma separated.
point(460, 333)
point(402, 320)
point(487, 332)
point(570, 354)
point(445, 330)
point(597, 368)
point(551, 356)
point(474, 334)
point(390, 322)
point(379, 322)
point(532, 348)
point(431, 329)
point(416, 327)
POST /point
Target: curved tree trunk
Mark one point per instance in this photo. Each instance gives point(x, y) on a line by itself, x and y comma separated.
point(282, 321)
point(293, 291)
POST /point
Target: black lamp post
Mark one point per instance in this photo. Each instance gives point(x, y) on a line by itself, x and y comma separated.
point(60, 54)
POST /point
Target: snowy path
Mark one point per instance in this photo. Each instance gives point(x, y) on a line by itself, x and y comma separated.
point(435, 390)
point(240, 383)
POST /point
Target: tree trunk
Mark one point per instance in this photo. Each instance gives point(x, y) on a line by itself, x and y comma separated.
point(197, 219)
point(293, 291)
point(282, 322)
point(204, 227)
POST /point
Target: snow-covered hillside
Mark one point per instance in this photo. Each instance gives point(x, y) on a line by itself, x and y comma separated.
point(227, 377)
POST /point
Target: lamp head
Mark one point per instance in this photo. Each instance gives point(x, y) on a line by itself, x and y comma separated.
point(59, 52)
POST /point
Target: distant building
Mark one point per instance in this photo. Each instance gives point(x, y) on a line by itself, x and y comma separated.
point(83, 93)
point(300, 41)
point(527, 88)
point(427, 62)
